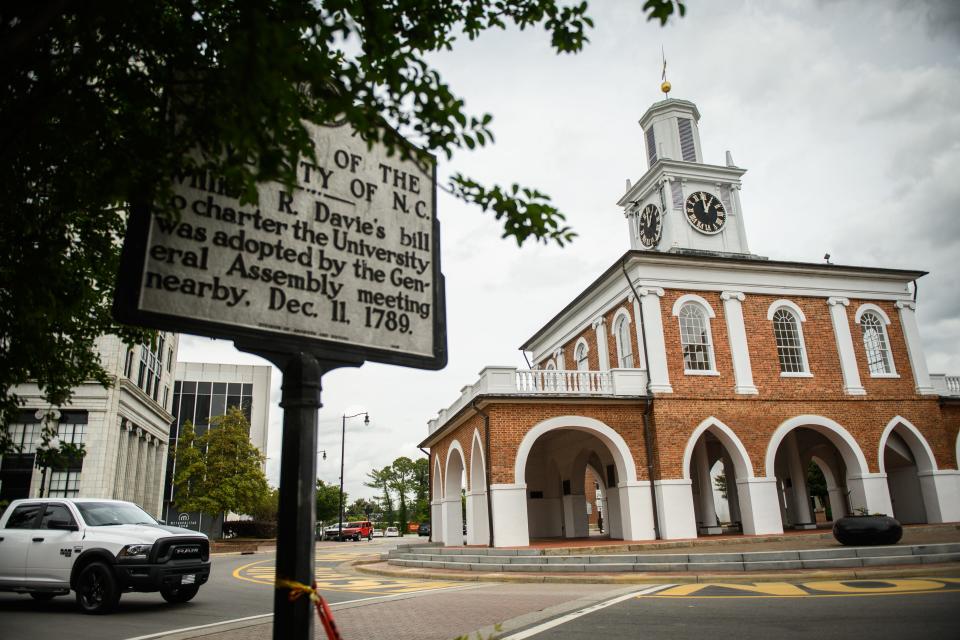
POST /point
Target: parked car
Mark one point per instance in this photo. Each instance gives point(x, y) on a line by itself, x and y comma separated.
point(100, 549)
point(354, 531)
point(378, 533)
point(333, 531)
point(392, 532)
point(424, 529)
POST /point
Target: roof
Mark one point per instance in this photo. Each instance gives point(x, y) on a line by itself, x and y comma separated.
point(730, 261)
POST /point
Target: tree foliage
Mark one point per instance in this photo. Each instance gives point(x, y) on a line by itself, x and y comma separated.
point(328, 501)
point(380, 479)
point(102, 103)
point(221, 470)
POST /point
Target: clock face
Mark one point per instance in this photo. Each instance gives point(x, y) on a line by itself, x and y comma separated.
point(705, 212)
point(650, 226)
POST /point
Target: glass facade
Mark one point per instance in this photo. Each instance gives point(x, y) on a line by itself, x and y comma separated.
point(16, 468)
point(198, 402)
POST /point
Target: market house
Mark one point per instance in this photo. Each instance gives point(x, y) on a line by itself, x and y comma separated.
point(689, 359)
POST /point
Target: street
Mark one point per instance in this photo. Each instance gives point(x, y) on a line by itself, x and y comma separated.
point(369, 606)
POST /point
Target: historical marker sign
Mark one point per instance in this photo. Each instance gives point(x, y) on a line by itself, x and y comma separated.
point(348, 261)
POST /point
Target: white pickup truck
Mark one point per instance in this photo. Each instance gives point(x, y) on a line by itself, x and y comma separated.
point(98, 548)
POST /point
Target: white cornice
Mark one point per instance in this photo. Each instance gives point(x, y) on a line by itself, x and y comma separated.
point(669, 169)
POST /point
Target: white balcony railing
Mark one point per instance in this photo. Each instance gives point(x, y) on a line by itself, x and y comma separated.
point(945, 385)
point(507, 381)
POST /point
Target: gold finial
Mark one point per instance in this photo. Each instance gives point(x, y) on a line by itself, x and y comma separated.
point(665, 86)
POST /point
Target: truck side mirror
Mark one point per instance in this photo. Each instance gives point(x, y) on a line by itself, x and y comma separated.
point(62, 525)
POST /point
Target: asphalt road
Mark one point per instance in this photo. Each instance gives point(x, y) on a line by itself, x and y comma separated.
point(240, 586)
point(825, 610)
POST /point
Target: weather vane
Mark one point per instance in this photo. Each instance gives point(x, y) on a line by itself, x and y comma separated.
point(665, 85)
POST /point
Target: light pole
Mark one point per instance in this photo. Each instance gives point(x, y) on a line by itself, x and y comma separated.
point(343, 440)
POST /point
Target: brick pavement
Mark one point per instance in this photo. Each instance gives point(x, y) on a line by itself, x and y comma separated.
point(429, 617)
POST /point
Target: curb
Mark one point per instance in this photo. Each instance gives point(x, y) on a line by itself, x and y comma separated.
point(891, 571)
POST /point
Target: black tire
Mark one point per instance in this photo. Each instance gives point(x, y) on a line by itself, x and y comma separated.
point(97, 590)
point(43, 596)
point(180, 594)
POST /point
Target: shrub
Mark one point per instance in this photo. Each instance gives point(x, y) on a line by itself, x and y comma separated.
point(249, 529)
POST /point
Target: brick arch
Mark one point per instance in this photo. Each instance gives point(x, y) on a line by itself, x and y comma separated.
point(626, 467)
point(846, 444)
point(922, 453)
point(477, 466)
point(454, 447)
point(733, 445)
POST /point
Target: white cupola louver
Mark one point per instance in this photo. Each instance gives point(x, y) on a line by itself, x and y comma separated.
point(687, 148)
point(651, 147)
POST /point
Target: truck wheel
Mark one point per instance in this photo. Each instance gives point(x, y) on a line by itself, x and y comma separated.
point(97, 590)
point(176, 595)
point(43, 596)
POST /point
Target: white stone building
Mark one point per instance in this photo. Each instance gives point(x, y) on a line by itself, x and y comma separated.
point(124, 429)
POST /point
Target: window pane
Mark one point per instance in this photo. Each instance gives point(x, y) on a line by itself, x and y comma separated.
point(55, 512)
point(23, 517)
point(789, 345)
point(695, 339)
point(875, 344)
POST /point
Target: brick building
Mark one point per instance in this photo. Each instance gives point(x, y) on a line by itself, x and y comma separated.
point(689, 359)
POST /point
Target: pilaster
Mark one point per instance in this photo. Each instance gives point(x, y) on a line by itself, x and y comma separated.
point(656, 344)
point(911, 334)
point(848, 359)
point(739, 349)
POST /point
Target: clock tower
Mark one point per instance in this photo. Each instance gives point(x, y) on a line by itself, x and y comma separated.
point(681, 204)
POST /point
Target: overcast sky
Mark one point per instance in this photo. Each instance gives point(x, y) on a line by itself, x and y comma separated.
point(846, 116)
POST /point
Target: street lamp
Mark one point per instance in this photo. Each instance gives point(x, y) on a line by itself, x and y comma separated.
point(343, 439)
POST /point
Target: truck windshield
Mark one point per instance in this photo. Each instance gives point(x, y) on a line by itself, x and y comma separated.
point(102, 514)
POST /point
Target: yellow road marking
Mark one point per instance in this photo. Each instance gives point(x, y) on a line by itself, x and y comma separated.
point(263, 572)
point(823, 589)
point(779, 589)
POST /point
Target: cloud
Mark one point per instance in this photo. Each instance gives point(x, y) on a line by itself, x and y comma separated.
point(843, 113)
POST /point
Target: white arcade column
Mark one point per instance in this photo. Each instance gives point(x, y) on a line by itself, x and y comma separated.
point(510, 527)
point(708, 509)
point(798, 484)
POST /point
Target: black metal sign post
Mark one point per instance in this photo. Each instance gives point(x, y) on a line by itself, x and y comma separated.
point(300, 400)
point(342, 269)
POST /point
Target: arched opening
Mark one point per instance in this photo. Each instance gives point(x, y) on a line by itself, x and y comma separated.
point(478, 529)
point(556, 478)
point(825, 485)
point(453, 497)
point(904, 457)
point(595, 492)
point(808, 439)
point(714, 461)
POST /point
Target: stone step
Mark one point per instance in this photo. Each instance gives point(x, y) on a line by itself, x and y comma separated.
point(749, 566)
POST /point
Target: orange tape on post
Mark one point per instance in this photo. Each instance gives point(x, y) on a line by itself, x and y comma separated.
point(298, 589)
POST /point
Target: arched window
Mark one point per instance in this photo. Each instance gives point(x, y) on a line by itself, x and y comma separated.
point(789, 337)
point(581, 357)
point(624, 346)
point(551, 366)
point(695, 338)
point(875, 344)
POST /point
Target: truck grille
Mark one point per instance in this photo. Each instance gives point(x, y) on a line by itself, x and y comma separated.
point(167, 549)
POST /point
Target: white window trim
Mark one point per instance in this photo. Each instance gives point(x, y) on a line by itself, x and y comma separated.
point(677, 306)
point(797, 315)
point(691, 297)
point(622, 313)
point(576, 347)
point(797, 311)
point(551, 365)
point(868, 306)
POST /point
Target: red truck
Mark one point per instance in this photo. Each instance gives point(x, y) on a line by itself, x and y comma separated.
point(355, 531)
